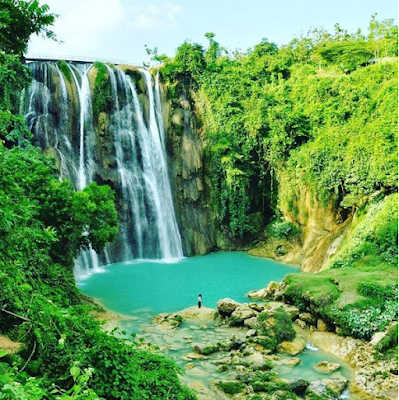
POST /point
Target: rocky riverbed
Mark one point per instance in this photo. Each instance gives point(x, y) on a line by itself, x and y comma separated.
point(226, 353)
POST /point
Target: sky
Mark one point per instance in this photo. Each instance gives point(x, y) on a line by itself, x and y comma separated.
point(119, 30)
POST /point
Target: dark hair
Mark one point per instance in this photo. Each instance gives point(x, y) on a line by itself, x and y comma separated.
point(200, 295)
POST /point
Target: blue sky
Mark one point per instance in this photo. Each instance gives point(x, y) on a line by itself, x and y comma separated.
point(120, 29)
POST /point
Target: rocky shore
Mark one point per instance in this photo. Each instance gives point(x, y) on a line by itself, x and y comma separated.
point(246, 361)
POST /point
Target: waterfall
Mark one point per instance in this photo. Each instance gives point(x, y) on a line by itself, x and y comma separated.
point(127, 152)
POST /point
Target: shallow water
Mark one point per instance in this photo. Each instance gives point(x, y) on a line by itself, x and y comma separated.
point(142, 289)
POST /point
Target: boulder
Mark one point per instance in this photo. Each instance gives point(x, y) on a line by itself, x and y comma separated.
point(251, 322)
point(337, 385)
point(257, 294)
point(205, 348)
point(226, 306)
point(326, 367)
point(292, 311)
point(309, 318)
point(241, 313)
point(168, 321)
point(321, 389)
point(199, 314)
point(322, 326)
point(202, 392)
point(293, 348)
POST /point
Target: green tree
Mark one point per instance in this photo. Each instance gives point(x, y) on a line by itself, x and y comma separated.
point(19, 20)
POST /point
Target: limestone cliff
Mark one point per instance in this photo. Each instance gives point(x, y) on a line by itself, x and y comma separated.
point(188, 169)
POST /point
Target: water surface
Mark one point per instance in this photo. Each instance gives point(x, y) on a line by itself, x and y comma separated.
point(153, 287)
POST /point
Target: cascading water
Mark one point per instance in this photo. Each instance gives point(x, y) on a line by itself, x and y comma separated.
point(59, 113)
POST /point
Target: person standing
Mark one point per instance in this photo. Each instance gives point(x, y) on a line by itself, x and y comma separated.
point(199, 300)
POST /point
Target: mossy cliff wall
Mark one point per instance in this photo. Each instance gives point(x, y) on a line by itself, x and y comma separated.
point(189, 173)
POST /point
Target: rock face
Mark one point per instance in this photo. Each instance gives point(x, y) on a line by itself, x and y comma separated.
point(189, 176)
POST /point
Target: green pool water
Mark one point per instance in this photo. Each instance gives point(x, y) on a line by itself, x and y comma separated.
point(142, 289)
point(138, 287)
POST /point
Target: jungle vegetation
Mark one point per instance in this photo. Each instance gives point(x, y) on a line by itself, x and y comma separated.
point(44, 223)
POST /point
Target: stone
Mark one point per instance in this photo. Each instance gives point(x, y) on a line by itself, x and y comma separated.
point(308, 318)
point(205, 348)
point(255, 306)
point(199, 314)
point(377, 338)
point(291, 361)
point(300, 323)
point(326, 367)
point(251, 322)
point(194, 356)
point(272, 306)
point(322, 326)
point(257, 294)
point(168, 321)
point(320, 388)
point(250, 332)
point(241, 313)
point(226, 306)
point(202, 392)
point(337, 385)
point(293, 348)
point(189, 365)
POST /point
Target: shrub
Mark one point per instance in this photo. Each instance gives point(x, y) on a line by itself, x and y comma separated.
point(389, 341)
point(282, 230)
point(231, 387)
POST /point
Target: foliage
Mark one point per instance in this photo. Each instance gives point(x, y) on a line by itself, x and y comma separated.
point(102, 96)
point(231, 387)
point(313, 114)
point(63, 66)
point(281, 229)
point(389, 341)
point(19, 20)
point(276, 327)
point(374, 232)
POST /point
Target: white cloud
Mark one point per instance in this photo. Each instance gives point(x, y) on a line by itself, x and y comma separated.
point(81, 26)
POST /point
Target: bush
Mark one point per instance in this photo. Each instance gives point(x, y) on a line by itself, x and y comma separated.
point(389, 341)
point(282, 230)
point(231, 387)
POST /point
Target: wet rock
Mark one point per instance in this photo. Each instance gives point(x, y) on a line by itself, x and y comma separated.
point(202, 392)
point(308, 318)
point(205, 348)
point(272, 306)
point(226, 307)
point(293, 348)
point(257, 294)
point(240, 314)
point(321, 389)
point(195, 356)
point(251, 322)
point(189, 365)
point(168, 321)
point(326, 367)
point(198, 314)
point(337, 385)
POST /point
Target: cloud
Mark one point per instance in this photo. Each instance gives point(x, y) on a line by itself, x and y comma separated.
point(82, 25)
point(154, 17)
